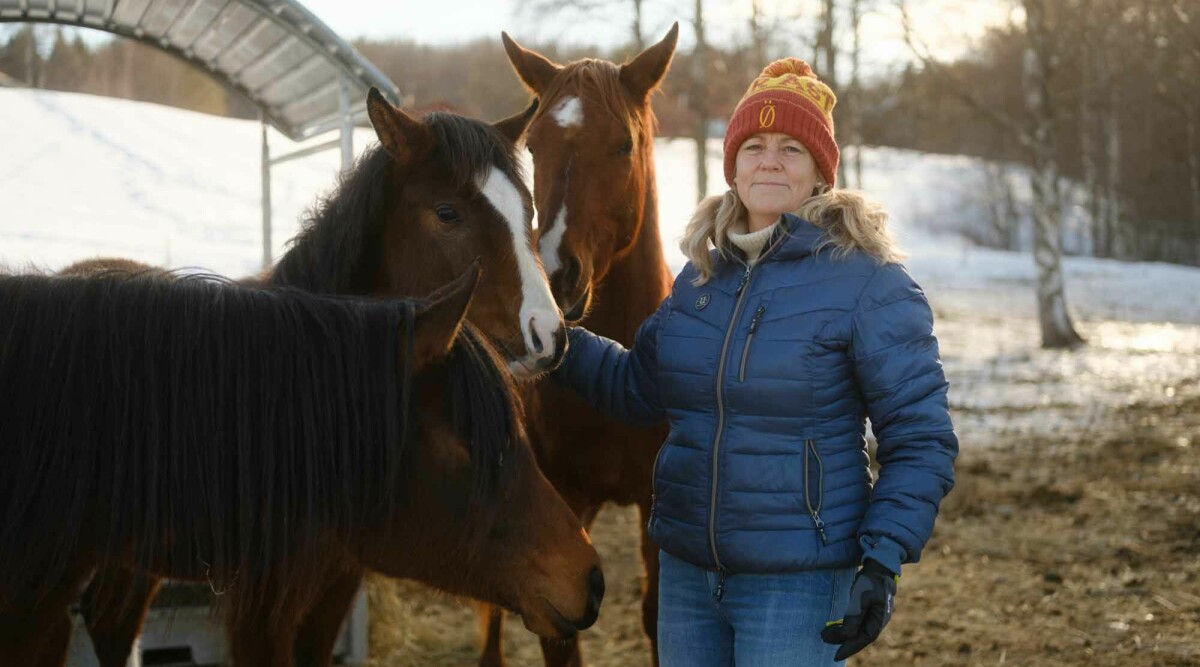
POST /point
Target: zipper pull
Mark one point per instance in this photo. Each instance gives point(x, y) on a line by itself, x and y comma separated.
point(742, 285)
point(820, 528)
point(720, 585)
point(757, 316)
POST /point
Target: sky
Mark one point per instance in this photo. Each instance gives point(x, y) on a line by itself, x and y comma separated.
point(948, 26)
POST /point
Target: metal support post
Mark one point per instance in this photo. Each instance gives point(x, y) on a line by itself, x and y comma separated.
point(266, 197)
point(347, 124)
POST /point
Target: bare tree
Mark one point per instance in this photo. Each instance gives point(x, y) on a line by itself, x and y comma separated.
point(699, 101)
point(1038, 137)
point(541, 9)
point(855, 90)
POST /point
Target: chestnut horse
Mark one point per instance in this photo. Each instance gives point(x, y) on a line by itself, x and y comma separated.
point(258, 440)
point(592, 141)
point(435, 195)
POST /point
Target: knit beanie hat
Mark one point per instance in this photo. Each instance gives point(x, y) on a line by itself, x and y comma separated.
point(789, 98)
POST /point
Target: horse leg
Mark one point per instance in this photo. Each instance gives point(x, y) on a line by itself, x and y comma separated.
point(650, 589)
point(491, 623)
point(254, 643)
point(320, 627)
point(114, 607)
point(566, 652)
point(38, 634)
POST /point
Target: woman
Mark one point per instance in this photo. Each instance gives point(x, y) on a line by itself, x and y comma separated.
point(770, 352)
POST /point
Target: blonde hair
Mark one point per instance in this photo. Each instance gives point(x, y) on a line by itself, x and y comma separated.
point(851, 222)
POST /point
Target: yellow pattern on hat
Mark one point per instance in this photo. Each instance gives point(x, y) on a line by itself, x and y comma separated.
point(793, 75)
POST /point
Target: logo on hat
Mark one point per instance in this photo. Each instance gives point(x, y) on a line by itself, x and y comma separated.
point(702, 301)
point(766, 115)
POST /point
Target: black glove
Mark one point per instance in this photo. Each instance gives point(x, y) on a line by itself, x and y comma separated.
point(869, 611)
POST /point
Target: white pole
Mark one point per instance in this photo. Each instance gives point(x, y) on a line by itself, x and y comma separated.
point(347, 125)
point(266, 197)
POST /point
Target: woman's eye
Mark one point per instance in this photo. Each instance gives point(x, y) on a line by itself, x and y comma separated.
point(626, 148)
point(447, 214)
point(753, 148)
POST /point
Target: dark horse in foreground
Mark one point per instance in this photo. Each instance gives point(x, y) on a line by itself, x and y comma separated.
point(415, 211)
point(258, 441)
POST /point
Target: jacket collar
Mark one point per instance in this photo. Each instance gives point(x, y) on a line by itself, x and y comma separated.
point(794, 238)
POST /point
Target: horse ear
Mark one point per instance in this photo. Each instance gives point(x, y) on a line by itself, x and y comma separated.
point(439, 320)
point(405, 138)
point(514, 127)
point(643, 74)
point(535, 70)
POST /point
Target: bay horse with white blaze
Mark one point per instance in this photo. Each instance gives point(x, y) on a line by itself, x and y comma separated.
point(438, 193)
point(592, 141)
point(259, 440)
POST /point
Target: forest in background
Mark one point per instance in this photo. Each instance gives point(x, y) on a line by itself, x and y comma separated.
point(1119, 114)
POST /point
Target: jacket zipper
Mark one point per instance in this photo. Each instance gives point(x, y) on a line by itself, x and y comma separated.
point(815, 511)
point(716, 448)
point(750, 339)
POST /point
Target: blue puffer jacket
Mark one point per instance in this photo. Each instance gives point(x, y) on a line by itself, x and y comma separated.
point(766, 376)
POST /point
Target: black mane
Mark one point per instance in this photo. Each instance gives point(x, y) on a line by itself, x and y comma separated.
point(209, 425)
point(337, 249)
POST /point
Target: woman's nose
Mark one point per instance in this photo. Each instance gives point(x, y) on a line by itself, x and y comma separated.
point(771, 160)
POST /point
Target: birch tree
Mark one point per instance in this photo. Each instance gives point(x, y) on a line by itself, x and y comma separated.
point(1038, 137)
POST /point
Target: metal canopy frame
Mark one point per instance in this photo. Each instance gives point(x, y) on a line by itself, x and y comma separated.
point(299, 73)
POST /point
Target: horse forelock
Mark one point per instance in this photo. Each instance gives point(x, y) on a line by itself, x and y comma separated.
point(469, 149)
point(597, 85)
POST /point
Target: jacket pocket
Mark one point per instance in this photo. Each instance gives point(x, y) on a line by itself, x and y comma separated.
point(762, 308)
point(814, 497)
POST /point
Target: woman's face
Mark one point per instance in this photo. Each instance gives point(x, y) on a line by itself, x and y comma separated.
point(774, 174)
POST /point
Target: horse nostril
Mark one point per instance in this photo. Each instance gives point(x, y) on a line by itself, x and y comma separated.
point(596, 586)
point(538, 345)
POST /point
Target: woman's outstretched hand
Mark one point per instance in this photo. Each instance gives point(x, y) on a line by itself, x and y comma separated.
point(870, 609)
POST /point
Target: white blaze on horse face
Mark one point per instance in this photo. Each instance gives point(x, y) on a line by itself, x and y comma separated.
point(539, 314)
point(569, 112)
point(548, 243)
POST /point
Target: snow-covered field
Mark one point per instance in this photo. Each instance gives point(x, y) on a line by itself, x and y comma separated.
point(82, 176)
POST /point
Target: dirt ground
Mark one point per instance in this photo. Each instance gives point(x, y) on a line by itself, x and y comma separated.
point(1076, 550)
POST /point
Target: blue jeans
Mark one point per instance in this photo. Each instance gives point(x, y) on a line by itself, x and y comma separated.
point(760, 620)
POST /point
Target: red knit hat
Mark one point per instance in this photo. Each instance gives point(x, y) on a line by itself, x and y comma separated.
point(787, 97)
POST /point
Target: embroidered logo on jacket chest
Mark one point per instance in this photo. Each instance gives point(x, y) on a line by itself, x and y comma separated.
point(702, 302)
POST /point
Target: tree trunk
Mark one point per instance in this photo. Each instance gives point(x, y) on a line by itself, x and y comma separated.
point(699, 100)
point(637, 26)
point(758, 40)
point(856, 131)
point(1192, 110)
point(1057, 329)
point(827, 57)
point(1112, 158)
point(1088, 136)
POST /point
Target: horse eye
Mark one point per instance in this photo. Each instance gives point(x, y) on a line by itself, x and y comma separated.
point(626, 148)
point(447, 214)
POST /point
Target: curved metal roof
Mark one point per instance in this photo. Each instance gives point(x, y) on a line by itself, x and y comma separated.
point(275, 52)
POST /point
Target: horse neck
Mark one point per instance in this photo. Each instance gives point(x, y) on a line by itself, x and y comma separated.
point(638, 281)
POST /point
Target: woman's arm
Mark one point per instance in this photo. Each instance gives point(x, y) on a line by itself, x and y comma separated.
point(620, 383)
point(899, 372)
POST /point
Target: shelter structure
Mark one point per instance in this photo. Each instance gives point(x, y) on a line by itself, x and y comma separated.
point(304, 78)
